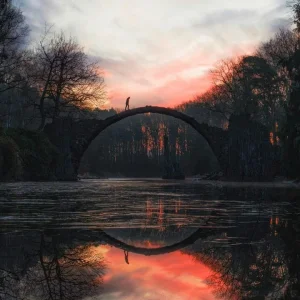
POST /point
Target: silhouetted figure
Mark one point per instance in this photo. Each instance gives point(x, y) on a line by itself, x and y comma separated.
point(126, 257)
point(127, 103)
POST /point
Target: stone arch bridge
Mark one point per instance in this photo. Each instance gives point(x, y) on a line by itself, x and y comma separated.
point(72, 138)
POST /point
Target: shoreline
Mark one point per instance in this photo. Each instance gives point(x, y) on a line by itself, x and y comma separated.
point(216, 183)
point(188, 180)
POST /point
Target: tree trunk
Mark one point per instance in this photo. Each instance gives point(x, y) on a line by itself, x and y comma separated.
point(42, 99)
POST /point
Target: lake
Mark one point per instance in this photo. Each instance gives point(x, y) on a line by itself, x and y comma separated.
point(149, 239)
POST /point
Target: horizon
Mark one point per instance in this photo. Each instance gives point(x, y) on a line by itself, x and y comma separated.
point(140, 45)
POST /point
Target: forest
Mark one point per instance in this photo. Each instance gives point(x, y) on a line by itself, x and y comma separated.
point(53, 77)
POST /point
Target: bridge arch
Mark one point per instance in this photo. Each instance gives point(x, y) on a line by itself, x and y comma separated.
point(201, 128)
point(72, 138)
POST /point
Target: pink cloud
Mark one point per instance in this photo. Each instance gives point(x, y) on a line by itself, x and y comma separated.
point(179, 90)
point(171, 276)
point(170, 94)
point(105, 73)
point(199, 58)
point(165, 85)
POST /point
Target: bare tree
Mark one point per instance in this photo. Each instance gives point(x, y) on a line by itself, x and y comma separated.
point(13, 32)
point(65, 77)
point(65, 273)
point(245, 85)
point(54, 270)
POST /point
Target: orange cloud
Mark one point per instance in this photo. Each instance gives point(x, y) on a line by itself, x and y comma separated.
point(168, 84)
point(171, 276)
point(199, 58)
point(106, 73)
point(179, 90)
point(170, 94)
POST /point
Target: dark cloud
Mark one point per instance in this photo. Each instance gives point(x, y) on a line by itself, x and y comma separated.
point(278, 18)
point(38, 14)
point(38, 11)
point(225, 16)
point(275, 18)
point(279, 23)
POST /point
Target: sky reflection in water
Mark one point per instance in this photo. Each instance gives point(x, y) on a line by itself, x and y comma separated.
point(217, 242)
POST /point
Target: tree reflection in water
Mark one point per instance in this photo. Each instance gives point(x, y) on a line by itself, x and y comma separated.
point(267, 267)
point(247, 271)
point(53, 270)
point(250, 259)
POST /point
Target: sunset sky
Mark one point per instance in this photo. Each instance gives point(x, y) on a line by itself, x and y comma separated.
point(159, 52)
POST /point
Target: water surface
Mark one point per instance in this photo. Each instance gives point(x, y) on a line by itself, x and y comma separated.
point(148, 239)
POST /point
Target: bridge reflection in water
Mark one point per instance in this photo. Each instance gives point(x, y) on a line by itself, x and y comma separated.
point(241, 249)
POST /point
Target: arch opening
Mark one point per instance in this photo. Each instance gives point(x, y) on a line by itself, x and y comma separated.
point(203, 130)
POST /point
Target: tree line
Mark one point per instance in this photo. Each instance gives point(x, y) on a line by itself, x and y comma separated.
point(54, 77)
point(265, 87)
point(135, 147)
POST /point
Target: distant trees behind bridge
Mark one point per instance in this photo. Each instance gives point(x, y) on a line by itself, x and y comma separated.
point(134, 147)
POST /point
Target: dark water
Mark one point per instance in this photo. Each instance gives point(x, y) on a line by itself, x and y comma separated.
point(148, 239)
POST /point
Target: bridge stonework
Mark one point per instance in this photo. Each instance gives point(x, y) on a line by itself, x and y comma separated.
point(72, 138)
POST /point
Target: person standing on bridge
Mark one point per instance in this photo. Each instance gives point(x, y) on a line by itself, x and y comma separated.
point(127, 103)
